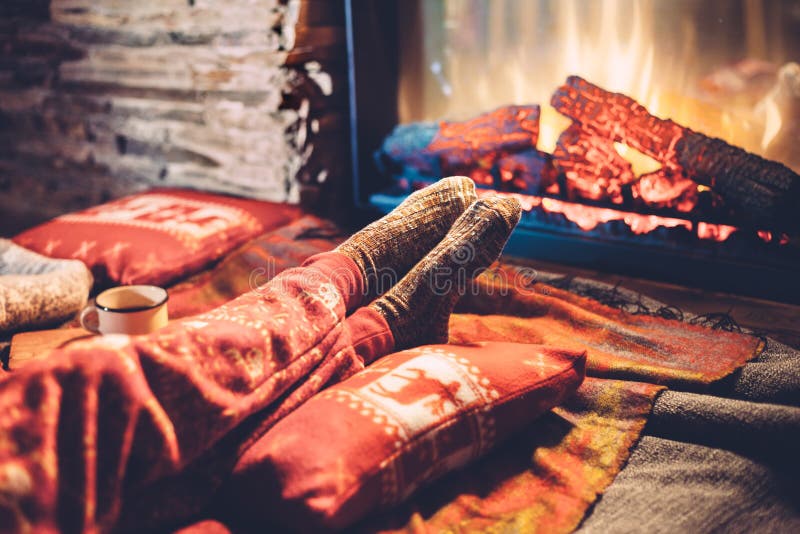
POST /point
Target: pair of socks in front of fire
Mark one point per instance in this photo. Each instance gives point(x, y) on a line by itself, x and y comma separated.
point(437, 239)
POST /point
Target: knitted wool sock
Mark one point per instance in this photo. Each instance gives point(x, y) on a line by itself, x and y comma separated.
point(386, 249)
point(418, 308)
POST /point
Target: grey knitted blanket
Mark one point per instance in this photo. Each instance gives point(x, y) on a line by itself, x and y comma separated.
point(36, 291)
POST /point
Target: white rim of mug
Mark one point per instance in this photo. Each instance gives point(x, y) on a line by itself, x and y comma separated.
point(135, 308)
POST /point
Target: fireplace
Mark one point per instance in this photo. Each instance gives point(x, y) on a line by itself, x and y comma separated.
point(719, 69)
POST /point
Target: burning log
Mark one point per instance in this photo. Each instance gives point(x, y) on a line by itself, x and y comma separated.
point(530, 171)
point(591, 165)
point(619, 118)
point(406, 147)
point(764, 192)
point(662, 189)
point(502, 131)
point(595, 170)
point(450, 147)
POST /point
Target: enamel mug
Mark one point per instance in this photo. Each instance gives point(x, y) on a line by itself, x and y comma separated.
point(133, 310)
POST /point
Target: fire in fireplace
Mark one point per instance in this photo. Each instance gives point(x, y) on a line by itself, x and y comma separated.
point(697, 185)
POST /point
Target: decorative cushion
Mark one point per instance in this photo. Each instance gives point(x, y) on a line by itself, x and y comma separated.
point(155, 237)
point(254, 263)
point(409, 418)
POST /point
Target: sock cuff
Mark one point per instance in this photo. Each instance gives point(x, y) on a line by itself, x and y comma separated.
point(344, 273)
point(370, 334)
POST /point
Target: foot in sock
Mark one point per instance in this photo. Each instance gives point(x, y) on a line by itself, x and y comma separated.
point(418, 308)
point(386, 249)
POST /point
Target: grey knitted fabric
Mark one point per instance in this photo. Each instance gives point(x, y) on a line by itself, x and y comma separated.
point(773, 377)
point(672, 486)
point(721, 462)
point(36, 291)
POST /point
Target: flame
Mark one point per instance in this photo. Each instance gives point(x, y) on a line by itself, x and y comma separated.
point(779, 110)
point(551, 124)
point(772, 122)
point(482, 54)
point(613, 52)
point(640, 163)
point(613, 43)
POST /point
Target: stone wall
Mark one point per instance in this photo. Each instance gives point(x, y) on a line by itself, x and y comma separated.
point(101, 98)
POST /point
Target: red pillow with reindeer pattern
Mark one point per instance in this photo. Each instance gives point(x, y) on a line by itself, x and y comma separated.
point(372, 440)
point(155, 237)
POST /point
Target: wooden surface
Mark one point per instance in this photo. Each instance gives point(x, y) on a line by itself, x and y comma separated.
point(29, 346)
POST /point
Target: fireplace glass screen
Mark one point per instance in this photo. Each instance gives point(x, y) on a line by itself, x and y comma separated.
point(659, 138)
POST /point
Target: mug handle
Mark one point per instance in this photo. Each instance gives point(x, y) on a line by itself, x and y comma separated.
point(89, 319)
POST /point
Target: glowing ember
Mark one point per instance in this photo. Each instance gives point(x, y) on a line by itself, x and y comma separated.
point(657, 189)
point(588, 217)
point(768, 236)
point(717, 232)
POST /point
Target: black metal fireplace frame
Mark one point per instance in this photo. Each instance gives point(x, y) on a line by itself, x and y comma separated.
point(373, 68)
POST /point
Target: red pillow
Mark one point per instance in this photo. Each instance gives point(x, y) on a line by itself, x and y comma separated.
point(409, 418)
point(155, 237)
